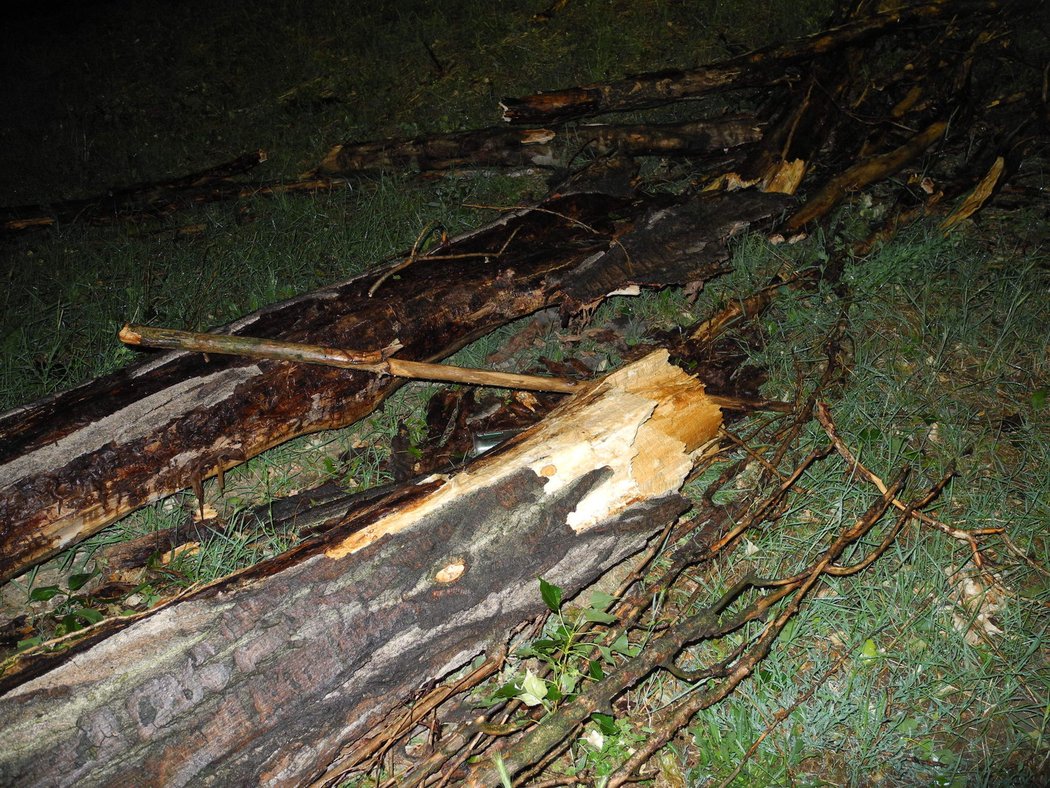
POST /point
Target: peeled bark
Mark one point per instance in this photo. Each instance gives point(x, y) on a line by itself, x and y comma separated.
point(265, 676)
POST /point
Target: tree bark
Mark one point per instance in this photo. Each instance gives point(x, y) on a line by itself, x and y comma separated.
point(264, 676)
point(76, 462)
point(547, 148)
point(761, 67)
point(145, 199)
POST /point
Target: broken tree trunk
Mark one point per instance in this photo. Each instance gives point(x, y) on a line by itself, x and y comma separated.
point(265, 675)
point(76, 462)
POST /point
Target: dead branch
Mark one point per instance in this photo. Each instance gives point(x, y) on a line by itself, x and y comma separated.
point(376, 362)
point(969, 536)
point(151, 199)
point(676, 716)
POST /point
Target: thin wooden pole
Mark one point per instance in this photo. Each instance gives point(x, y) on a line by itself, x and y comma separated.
point(365, 361)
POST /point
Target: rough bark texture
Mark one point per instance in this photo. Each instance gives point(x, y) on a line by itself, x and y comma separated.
point(762, 67)
point(75, 462)
point(264, 676)
point(147, 199)
point(503, 147)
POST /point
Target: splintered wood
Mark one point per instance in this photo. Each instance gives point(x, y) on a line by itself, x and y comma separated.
point(646, 422)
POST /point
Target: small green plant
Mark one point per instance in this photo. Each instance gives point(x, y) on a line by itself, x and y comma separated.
point(572, 653)
point(604, 746)
point(566, 650)
point(72, 613)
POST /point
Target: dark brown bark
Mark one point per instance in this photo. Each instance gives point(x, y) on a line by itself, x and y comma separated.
point(147, 199)
point(547, 148)
point(75, 462)
point(266, 675)
point(767, 66)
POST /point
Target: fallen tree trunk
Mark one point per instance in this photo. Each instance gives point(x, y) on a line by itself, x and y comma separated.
point(265, 675)
point(76, 462)
point(145, 199)
point(547, 148)
point(762, 67)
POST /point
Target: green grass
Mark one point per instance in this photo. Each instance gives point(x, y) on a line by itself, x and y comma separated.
point(948, 340)
point(944, 350)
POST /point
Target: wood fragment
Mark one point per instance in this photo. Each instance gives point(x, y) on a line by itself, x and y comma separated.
point(862, 174)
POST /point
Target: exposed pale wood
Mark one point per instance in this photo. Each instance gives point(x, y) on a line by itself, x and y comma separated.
point(73, 463)
point(266, 675)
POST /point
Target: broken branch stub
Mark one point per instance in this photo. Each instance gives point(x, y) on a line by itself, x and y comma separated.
point(265, 676)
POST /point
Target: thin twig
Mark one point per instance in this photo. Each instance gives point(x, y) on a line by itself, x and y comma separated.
point(375, 362)
point(824, 417)
point(427, 231)
point(676, 717)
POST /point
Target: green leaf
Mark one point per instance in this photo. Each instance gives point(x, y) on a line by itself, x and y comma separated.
point(88, 615)
point(600, 600)
point(77, 581)
point(869, 651)
point(870, 435)
point(545, 646)
point(606, 723)
point(36, 640)
point(907, 726)
point(622, 646)
point(529, 699)
point(70, 623)
point(563, 634)
point(1039, 398)
point(534, 688)
point(567, 683)
point(598, 616)
point(44, 593)
point(551, 595)
point(594, 670)
point(508, 690)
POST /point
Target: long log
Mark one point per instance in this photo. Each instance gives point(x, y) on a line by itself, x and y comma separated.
point(75, 462)
point(264, 676)
point(545, 148)
point(144, 199)
point(762, 67)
